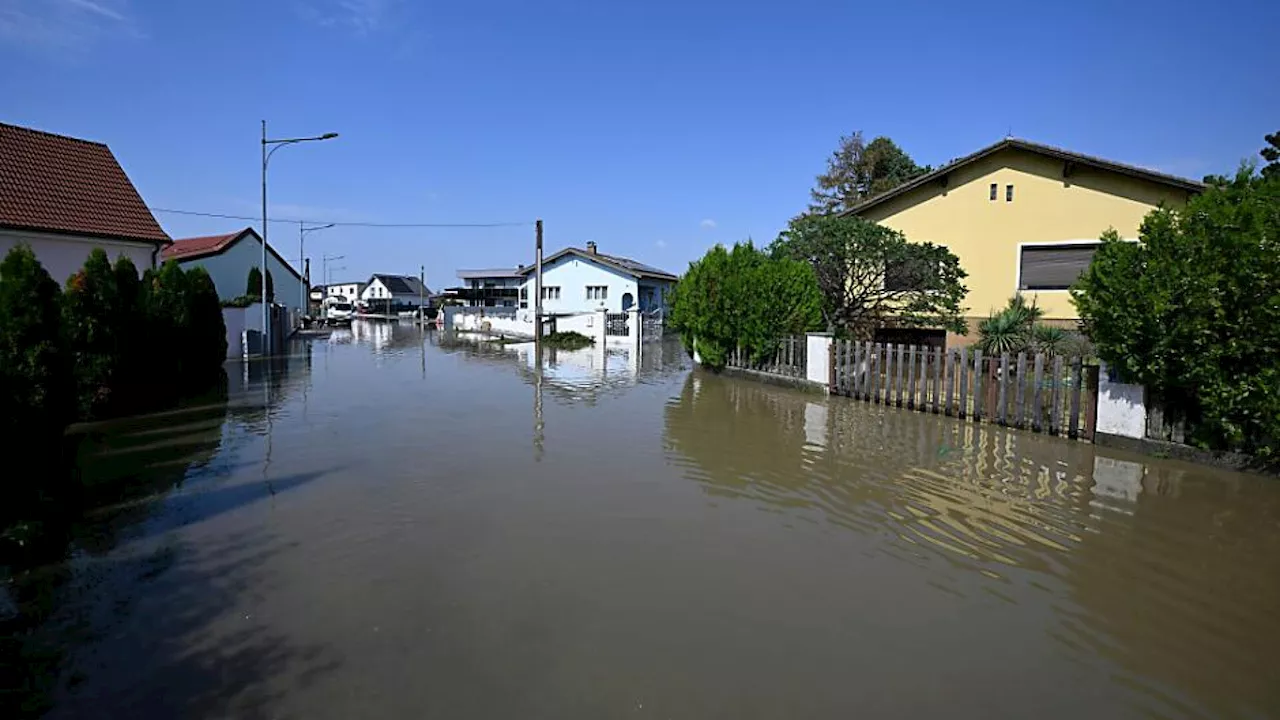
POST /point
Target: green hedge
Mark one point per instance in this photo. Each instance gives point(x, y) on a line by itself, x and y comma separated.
point(108, 345)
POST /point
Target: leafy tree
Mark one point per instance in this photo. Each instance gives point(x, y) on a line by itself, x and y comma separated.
point(36, 399)
point(857, 170)
point(208, 332)
point(253, 286)
point(871, 277)
point(1193, 311)
point(271, 288)
point(743, 298)
point(167, 311)
point(93, 319)
point(1271, 153)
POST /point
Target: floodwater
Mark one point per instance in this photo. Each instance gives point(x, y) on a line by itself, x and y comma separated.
point(392, 525)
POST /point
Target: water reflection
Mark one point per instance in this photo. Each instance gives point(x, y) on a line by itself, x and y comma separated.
point(1168, 570)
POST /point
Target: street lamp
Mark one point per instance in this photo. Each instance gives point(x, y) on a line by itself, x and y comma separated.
point(324, 270)
point(266, 158)
point(302, 256)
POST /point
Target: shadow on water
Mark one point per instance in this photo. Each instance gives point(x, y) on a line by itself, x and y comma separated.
point(143, 477)
point(1164, 568)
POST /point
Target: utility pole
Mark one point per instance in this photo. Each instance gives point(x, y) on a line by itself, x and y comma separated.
point(537, 315)
point(422, 289)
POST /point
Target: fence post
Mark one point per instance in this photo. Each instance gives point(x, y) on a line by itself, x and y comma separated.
point(831, 368)
point(1073, 431)
point(1020, 396)
point(911, 377)
point(1055, 410)
point(1037, 409)
point(899, 375)
point(937, 380)
point(1090, 401)
point(977, 385)
point(963, 367)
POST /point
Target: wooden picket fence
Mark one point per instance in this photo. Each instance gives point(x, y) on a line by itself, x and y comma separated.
point(788, 360)
point(1043, 393)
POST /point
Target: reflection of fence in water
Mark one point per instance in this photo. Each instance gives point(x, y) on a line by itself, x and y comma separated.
point(1042, 393)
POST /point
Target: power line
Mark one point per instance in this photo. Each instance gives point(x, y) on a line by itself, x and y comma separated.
point(336, 223)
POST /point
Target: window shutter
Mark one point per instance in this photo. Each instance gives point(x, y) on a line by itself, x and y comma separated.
point(1049, 267)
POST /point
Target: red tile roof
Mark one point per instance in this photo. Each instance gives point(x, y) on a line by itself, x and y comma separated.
point(61, 184)
point(197, 247)
point(191, 248)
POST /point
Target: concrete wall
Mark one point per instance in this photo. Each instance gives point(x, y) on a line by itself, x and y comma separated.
point(230, 271)
point(237, 321)
point(591, 324)
point(818, 358)
point(1121, 407)
point(63, 255)
point(1046, 208)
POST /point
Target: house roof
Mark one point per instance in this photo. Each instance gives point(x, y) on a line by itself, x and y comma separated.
point(62, 184)
point(188, 249)
point(1027, 145)
point(401, 284)
point(490, 273)
point(626, 265)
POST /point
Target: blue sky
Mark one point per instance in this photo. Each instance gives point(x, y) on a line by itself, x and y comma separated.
point(655, 128)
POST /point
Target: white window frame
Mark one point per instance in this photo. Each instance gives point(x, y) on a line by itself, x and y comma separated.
point(1017, 260)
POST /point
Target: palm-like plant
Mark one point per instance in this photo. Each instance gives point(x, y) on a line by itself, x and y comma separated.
point(1003, 332)
point(1049, 339)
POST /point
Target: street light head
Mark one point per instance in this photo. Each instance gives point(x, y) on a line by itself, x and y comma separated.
point(328, 136)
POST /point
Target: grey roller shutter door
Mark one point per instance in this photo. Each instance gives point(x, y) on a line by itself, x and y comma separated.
point(1049, 267)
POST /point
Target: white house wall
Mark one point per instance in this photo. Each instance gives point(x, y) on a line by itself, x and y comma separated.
point(572, 274)
point(230, 272)
point(63, 255)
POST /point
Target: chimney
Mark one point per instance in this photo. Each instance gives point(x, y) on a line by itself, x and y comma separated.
point(591, 246)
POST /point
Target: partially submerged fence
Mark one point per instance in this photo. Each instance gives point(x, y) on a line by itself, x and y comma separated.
point(788, 360)
point(1043, 393)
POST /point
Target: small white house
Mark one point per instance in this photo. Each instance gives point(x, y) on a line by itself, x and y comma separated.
point(64, 197)
point(348, 290)
point(228, 259)
point(575, 280)
point(395, 292)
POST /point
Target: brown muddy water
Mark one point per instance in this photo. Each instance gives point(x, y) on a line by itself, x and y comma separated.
point(388, 525)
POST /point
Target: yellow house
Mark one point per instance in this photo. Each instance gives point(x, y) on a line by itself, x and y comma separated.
point(1025, 217)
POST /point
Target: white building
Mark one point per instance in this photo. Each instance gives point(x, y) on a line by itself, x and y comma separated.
point(228, 260)
point(395, 292)
point(349, 291)
point(65, 197)
point(488, 288)
point(575, 280)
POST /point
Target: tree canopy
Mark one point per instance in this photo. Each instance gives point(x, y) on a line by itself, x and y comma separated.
point(858, 170)
point(871, 276)
point(1193, 311)
point(743, 297)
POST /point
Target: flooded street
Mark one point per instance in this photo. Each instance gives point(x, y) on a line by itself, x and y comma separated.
point(394, 525)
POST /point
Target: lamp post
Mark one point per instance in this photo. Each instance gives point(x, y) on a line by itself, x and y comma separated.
point(302, 256)
point(266, 158)
point(324, 270)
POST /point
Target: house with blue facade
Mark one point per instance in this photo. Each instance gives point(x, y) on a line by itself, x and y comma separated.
point(575, 280)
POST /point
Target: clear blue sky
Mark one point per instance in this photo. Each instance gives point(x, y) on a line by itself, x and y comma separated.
point(655, 128)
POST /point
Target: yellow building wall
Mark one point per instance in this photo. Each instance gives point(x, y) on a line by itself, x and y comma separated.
point(1046, 208)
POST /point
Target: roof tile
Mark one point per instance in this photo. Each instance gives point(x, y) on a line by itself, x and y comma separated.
point(62, 184)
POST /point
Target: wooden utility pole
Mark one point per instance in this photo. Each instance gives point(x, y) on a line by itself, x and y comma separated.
point(422, 288)
point(537, 315)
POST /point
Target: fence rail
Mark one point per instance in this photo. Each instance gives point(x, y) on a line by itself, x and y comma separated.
point(788, 360)
point(1043, 393)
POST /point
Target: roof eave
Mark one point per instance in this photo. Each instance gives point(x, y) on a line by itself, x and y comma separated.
point(77, 233)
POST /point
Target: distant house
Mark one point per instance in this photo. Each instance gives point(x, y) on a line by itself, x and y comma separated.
point(576, 280)
point(229, 258)
point(1024, 217)
point(64, 197)
point(488, 288)
point(349, 291)
point(395, 292)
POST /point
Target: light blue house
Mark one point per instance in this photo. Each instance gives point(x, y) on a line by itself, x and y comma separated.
point(228, 258)
point(576, 280)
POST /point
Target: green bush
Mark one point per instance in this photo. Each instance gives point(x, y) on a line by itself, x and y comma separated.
point(743, 297)
point(1017, 328)
point(94, 322)
point(1193, 311)
point(253, 285)
point(36, 386)
point(568, 340)
point(207, 332)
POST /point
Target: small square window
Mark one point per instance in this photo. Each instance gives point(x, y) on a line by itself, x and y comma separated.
point(994, 189)
point(1008, 193)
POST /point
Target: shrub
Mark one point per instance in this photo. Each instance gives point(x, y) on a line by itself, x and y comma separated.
point(36, 398)
point(569, 340)
point(207, 332)
point(1193, 311)
point(253, 285)
point(1017, 328)
point(93, 321)
point(746, 298)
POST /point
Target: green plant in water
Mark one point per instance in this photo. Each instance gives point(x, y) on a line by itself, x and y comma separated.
point(569, 340)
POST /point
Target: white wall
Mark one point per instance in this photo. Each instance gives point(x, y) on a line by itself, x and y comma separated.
point(519, 326)
point(572, 274)
point(63, 255)
point(1122, 407)
point(350, 291)
point(818, 358)
point(230, 271)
